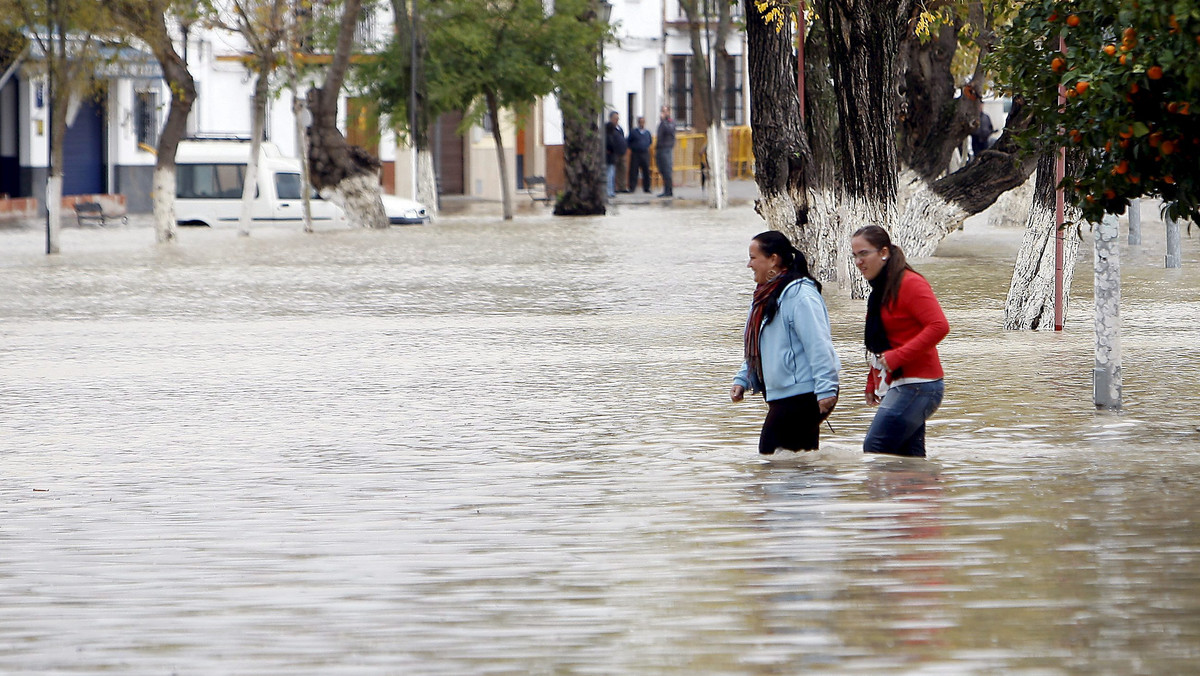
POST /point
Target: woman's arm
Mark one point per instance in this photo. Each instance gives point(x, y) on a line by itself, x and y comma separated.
point(811, 326)
point(917, 299)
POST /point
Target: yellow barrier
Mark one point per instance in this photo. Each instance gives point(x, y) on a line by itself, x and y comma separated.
point(689, 159)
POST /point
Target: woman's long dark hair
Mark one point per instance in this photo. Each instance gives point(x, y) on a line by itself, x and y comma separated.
point(896, 263)
point(773, 242)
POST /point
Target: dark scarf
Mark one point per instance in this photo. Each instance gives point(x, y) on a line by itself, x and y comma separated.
point(875, 335)
point(762, 294)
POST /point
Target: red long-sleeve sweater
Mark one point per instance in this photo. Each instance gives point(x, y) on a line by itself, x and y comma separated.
point(915, 324)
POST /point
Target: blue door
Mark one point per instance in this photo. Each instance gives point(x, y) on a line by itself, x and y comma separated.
point(83, 152)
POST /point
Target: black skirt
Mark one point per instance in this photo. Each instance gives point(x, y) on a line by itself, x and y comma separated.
point(793, 423)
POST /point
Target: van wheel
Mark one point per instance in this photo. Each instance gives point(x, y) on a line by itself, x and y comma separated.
point(200, 224)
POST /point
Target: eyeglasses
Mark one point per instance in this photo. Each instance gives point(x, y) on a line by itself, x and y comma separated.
point(861, 255)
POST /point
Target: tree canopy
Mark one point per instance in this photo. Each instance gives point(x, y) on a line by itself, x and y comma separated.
point(1129, 77)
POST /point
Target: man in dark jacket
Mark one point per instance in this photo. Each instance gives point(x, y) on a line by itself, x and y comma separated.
point(614, 149)
point(665, 150)
point(639, 146)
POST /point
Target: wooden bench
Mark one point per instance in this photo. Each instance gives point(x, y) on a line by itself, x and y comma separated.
point(535, 187)
point(91, 213)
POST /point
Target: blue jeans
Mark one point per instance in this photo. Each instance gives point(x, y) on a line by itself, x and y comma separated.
point(612, 180)
point(899, 425)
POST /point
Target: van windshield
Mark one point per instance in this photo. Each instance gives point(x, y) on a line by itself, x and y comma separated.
point(287, 187)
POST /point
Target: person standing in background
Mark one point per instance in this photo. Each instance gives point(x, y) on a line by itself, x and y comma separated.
point(614, 149)
point(639, 146)
point(665, 150)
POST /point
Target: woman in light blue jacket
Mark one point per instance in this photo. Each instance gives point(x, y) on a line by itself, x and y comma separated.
point(789, 349)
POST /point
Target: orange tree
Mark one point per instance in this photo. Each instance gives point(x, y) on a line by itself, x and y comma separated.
point(1130, 82)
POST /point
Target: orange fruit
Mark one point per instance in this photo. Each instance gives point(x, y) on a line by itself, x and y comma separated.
point(1053, 17)
point(1167, 147)
point(1185, 108)
point(1155, 73)
point(1110, 49)
point(1134, 179)
point(1108, 147)
point(1110, 194)
point(1121, 60)
point(1057, 64)
point(1129, 33)
point(1172, 107)
point(1073, 20)
point(1082, 86)
point(1127, 132)
point(1133, 88)
point(1122, 167)
point(1124, 143)
point(1155, 139)
point(1071, 93)
point(1076, 136)
point(1169, 179)
point(1173, 24)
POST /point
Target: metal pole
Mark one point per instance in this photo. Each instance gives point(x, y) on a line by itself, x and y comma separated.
point(1106, 372)
point(1134, 211)
point(1060, 169)
point(1174, 259)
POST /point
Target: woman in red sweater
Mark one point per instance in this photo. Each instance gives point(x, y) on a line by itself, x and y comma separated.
point(904, 325)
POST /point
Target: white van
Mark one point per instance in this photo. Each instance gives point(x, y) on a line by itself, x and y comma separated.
point(208, 189)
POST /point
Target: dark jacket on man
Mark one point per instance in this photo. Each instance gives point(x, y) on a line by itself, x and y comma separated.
point(615, 146)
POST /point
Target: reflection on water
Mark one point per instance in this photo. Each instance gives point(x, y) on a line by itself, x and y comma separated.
point(507, 448)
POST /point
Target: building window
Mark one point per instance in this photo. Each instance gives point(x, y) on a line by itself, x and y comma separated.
point(679, 93)
point(145, 118)
point(732, 99)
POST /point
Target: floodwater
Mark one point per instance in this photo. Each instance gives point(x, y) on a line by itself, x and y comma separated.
point(507, 448)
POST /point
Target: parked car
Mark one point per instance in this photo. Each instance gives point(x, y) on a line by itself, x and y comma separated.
point(208, 189)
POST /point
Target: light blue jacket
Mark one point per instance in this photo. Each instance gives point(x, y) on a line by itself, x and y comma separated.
point(797, 348)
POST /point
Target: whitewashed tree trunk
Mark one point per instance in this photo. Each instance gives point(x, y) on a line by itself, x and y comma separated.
point(1106, 375)
point(718, 171)
point(250, 182)
point(925, 222)
point(1030, 303)
point(1134, 212)
point(1174, 259)
point(162, 194)
point(54, 188)
point(358, 196)
point(427, 193)
point(825, 239)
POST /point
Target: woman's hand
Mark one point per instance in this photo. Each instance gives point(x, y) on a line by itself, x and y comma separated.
point(883, 363)
point(826, 406)
point(873, 399)
point(736, 393)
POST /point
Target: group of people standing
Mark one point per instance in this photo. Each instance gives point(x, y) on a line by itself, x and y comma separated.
point(791, 360)
point(634, 149)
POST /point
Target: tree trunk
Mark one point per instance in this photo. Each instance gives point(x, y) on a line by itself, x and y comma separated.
point(1030, 303)
point(781, 152)
point(505, 192)
point(250, 180)
point(820, 108)
point(863, 40)
point(183, 95)
point(427, 193)
point(933, 121)
point(936, 209)
point(345, 174)
point(408, 26)
point(718, 162)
